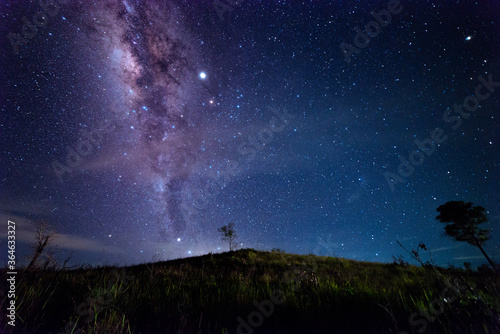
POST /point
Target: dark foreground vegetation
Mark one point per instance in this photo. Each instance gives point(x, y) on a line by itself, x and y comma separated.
point(250, 291)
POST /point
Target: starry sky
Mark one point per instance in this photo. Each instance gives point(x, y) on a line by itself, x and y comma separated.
point(137, 128)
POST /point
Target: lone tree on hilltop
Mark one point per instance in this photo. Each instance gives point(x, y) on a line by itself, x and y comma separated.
point(462, 224)
point(228, 234)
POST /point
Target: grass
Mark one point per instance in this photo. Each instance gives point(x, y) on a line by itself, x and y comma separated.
point(207, 294)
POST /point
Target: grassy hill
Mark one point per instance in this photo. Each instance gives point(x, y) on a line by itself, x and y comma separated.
point(249, 291)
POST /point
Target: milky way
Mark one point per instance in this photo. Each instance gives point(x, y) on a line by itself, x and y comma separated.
point(154, 65)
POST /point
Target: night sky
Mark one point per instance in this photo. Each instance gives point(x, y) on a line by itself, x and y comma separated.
point(137, 128)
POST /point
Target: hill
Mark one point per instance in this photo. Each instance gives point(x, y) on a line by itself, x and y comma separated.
point(249, 291)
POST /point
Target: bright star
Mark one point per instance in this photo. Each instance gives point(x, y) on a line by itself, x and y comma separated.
point(178, 239)
point(468, 38)
point(203, 75)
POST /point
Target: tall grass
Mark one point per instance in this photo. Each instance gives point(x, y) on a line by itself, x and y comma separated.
point(206, 295)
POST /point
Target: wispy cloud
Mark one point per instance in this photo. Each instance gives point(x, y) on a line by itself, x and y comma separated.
point(69, 241)
point(441, 249)
point(25, 233)
point(22, 208)
point(461, 258)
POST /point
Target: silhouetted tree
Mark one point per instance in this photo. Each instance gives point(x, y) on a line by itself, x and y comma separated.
point(462, 224)
point(228, 234)
point(43, 236)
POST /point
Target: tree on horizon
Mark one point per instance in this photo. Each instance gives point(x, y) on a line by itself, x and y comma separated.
point(228, 234)
point(462, 221)
point(44, 234)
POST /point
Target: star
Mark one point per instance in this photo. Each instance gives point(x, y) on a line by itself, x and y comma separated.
point(203, 75)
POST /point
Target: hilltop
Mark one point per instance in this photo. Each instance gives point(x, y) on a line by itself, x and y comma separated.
point(250, 291)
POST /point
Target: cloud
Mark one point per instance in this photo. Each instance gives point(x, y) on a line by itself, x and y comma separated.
point(22, 207)
point(25, 233)
point(461, 258)
point(72, 242)
point(441, 249)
